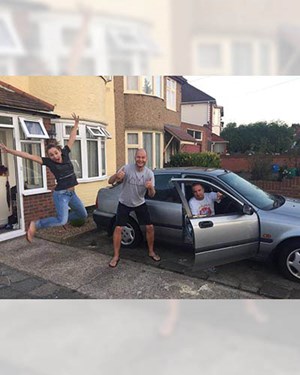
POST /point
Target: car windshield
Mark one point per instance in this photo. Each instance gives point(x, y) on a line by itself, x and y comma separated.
point(252, 193)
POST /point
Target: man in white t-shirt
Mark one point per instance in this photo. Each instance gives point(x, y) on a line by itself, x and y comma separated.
point(202, 204)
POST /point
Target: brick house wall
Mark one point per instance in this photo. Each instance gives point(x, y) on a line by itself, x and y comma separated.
point(191, 149)
point(119, 120)
point(203, 144)
point(141, 112)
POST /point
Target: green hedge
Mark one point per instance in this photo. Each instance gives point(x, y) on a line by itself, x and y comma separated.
point(203, 159)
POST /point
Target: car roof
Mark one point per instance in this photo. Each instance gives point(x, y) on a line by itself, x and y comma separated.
point(191, 170)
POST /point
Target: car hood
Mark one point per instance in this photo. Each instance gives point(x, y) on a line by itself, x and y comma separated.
point(291, 207)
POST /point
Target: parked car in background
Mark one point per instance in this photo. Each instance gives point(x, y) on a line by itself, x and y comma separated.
point(248, 222)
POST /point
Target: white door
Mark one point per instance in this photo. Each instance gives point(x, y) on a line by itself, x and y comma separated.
point(8, 179)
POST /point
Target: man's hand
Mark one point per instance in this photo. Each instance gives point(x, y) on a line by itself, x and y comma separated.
point(120, 175)
point(149, 184)
point(219, 196)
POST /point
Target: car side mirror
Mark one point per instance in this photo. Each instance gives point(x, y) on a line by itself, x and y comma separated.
point(247, 210)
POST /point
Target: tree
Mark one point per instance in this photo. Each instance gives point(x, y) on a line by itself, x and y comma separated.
point(274, 137)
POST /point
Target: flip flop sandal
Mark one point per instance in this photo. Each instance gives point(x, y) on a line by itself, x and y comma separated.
point(155, 257)
point(114, 265)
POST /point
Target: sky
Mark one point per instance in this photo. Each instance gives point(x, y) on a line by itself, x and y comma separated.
point(248, 99)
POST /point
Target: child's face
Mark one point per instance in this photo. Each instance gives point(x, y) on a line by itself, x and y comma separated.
point(55, 154)
point(198, 192)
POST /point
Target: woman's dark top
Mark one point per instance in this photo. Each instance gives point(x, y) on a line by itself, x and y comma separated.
point(63, 172)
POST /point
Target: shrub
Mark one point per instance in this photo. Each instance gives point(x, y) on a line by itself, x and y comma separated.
point(261, 167)
point(203, 159)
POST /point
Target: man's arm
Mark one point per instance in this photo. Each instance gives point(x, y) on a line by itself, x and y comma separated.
point(117, 177)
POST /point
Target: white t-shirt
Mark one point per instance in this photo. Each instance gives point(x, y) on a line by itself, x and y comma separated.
point(204, 206)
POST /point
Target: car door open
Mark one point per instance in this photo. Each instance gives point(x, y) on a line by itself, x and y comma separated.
point(221, 238)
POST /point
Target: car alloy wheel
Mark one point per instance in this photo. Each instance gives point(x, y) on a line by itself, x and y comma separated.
point(131, 234)
point(289, 260)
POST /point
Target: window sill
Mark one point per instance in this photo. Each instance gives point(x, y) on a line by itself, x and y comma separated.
point(171, 109)
point(35, 192)
point(92, 179)
point(143, 94)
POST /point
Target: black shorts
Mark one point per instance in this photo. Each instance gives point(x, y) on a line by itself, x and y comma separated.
point(142, 214)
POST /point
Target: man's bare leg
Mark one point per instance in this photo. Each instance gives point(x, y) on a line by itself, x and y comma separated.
point(150, 242)
point(117, 236)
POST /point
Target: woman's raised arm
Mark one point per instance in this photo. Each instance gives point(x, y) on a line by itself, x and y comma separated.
point(73, 133)
point(21, 154)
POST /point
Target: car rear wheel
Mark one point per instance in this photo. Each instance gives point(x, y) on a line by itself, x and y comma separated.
point(289, 260)
point(131, 234)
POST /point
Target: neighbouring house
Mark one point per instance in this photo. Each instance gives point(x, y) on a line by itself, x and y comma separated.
point(25, 103)
point(148, 115)
point(202, 119)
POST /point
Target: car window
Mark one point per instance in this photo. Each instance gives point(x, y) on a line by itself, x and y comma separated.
point(252, 193)
point(165, 190)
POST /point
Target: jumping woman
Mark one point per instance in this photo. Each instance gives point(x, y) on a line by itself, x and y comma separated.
point(64, 196)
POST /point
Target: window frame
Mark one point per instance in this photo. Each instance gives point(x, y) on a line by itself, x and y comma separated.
point(141, 83)
point(33, 136)
point(44, 188)
point(84, 128)
point(193, 135)
point(171, 91)
point(141, 145)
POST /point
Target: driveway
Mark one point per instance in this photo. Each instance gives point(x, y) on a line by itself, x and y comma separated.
point(248, 276)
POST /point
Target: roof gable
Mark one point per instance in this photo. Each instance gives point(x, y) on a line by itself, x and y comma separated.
point(13, 97)
point(179, 133)
point(191, 94)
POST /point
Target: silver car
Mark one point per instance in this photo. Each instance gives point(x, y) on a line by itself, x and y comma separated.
point(248, 222)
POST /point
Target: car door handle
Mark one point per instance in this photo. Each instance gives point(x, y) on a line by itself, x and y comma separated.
point(206, 224)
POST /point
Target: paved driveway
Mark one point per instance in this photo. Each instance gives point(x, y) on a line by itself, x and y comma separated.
point(249, 275)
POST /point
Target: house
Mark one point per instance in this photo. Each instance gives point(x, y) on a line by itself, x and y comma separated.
point(202, 119)
point(148, 115)
point(48, 102)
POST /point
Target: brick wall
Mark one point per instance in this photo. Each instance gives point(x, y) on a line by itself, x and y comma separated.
point(191, 149)
point(238, 163)
point(287, 187)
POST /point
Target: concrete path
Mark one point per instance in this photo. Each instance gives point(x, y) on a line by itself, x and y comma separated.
point(46, 269)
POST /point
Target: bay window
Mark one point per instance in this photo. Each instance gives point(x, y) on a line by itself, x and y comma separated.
point(150, 141)
point(148, 85)
point(88, 154)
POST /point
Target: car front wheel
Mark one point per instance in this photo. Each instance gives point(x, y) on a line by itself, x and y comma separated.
point(289, 260)
point(131, 234)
